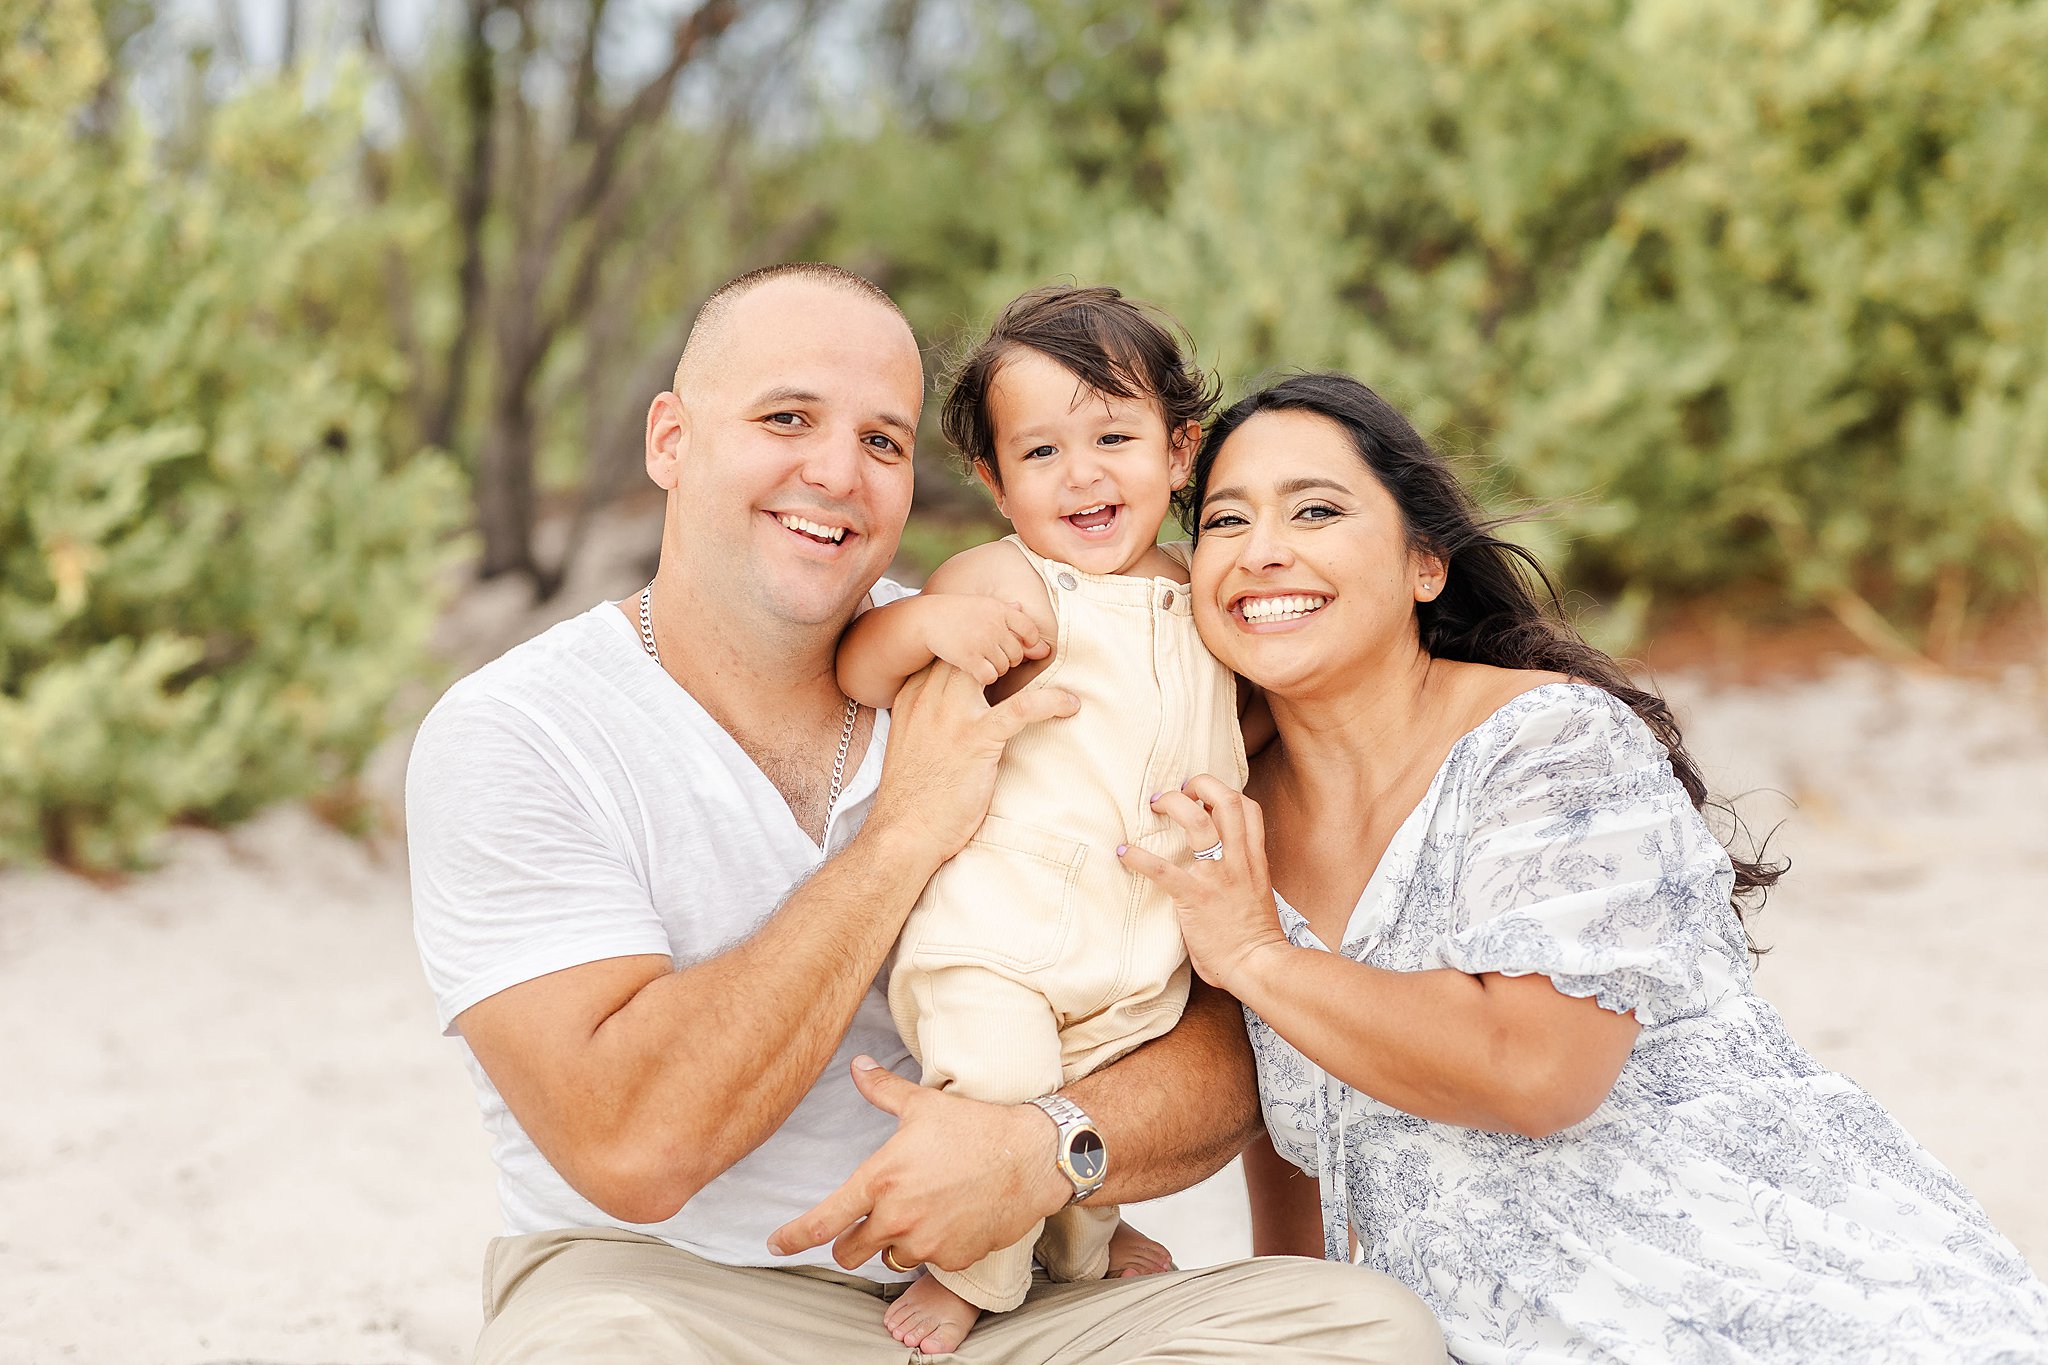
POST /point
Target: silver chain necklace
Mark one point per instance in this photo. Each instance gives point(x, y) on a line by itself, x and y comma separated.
point(845, 731)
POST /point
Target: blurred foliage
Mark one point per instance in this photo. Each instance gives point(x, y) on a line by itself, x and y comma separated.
point(215, 574)
point(1751, 293)
point(1046, 130)
point(568, 225)
point(1749, 296)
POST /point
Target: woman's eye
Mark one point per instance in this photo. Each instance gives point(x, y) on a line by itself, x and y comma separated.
point(1222, 519)
point(1318, 512)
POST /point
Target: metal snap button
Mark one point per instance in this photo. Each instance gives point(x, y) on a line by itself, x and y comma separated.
point(1067, 582)
point(1166, 600)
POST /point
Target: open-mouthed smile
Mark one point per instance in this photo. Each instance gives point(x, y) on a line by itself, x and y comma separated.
point(1096, 522)
point(816, 532)
point(1277, 609)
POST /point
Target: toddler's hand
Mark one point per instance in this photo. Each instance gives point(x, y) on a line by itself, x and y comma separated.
point(983, 637)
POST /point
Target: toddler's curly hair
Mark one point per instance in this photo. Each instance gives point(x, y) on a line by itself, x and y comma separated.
point(1116, 346)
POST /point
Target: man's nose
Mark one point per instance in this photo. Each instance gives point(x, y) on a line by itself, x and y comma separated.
point(832, 463)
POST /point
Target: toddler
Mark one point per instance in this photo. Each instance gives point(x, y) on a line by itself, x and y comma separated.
point(1034, 957)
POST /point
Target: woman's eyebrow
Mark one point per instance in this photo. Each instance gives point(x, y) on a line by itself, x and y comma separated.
point(1286, 489)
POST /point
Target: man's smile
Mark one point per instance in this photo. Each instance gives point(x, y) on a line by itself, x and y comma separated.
point(819, 533)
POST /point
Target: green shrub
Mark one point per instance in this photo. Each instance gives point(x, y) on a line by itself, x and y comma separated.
point(212, 577)
point(1757, 292)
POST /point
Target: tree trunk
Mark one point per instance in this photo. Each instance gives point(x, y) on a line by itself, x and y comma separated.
point(504, 493)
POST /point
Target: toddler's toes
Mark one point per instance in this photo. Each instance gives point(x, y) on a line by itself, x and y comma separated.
point(943, 1339)
point(930, 1318)
point(1133, 1253)
point(911, 1329)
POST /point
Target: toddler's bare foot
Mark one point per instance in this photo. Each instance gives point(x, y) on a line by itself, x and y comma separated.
point(930, 1318)
point(1131, 1252)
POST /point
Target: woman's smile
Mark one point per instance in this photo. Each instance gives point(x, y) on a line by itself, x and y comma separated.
point(1270, 612)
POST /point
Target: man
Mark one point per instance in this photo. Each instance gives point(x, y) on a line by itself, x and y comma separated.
point(658, 863)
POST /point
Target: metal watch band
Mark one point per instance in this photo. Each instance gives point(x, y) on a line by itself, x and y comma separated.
point(1070, 1118)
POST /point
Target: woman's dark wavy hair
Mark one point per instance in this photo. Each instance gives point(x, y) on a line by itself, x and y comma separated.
point(1488, 611)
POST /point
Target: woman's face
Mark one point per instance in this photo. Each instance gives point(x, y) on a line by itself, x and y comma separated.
point(1303, 579)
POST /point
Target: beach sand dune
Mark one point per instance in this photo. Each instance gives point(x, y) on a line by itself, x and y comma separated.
point(231, 1131)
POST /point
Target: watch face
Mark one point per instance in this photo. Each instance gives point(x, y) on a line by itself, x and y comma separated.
point(1086, 1156)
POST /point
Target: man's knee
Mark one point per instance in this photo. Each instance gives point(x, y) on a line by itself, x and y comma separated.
point(1403, 1327)
point(592, 1324)
point(1380, 1316)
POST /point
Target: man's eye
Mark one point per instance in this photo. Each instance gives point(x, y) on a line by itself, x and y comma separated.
point(886, 444)
point(784, 419)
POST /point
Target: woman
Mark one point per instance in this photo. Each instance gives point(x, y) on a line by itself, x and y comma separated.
point(1504, 1011)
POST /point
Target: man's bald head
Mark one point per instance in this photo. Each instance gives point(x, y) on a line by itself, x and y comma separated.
point(796, 402)
point(701, 353)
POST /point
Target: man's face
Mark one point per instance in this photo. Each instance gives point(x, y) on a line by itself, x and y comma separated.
point(793, 475)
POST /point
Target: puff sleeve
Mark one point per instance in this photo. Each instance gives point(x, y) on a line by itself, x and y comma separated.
point(1587, 863)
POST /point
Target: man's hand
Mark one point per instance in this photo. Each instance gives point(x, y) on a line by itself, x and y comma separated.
point(958, 1180)
point(940, 768)
point(984, 637)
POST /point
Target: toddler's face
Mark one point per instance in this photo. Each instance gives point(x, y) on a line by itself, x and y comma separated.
point(1085, 478)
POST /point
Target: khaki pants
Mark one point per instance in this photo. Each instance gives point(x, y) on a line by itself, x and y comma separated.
point(607, 1295)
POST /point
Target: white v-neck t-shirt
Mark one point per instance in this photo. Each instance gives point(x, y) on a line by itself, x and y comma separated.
point(569, 802)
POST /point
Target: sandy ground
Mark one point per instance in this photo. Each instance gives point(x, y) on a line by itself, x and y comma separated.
point(230, 1131)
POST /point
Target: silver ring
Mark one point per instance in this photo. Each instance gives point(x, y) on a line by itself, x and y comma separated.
point(889, 1260)
point(1212, 854)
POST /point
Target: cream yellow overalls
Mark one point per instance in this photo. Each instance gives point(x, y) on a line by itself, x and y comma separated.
point(1034, 957)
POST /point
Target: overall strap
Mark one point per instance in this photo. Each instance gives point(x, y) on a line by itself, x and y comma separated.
point(1048, 570)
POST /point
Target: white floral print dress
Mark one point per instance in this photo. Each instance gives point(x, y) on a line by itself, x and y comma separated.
point(1731, 1200)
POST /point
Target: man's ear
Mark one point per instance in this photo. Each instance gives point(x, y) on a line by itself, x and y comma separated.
point(986, 472)
point(1181, 447)
point(668, 439)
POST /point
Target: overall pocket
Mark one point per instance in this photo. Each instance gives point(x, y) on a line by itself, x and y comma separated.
point(1006, 900)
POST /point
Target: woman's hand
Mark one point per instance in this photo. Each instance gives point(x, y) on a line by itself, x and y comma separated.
point(1225, 904)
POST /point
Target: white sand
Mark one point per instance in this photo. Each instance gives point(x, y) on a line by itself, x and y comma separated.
point(232, 1133)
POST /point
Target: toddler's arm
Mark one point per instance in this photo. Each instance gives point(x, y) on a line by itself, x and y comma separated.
point(963, 616)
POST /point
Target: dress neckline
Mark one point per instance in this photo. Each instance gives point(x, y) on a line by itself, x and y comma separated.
point(1423, 806)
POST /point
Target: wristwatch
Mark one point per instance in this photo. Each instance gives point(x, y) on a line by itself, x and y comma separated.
point(1080, 1155)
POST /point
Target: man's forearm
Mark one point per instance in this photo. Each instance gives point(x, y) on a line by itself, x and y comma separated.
point(721, 1052)
point(1175, 1111)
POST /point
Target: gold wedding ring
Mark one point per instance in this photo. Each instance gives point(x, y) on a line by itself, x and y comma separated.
point(889, 1260)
